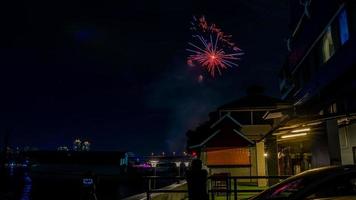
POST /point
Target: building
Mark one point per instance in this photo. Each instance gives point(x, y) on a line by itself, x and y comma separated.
point(77, 145)
point(233, 140)
point(318, 77)
point(85, 146)
point(62, 148)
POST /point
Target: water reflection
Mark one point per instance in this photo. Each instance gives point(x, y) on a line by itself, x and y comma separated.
point(26, 192)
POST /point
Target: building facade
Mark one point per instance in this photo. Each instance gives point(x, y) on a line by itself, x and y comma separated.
point(319, 77)
point(232, 141)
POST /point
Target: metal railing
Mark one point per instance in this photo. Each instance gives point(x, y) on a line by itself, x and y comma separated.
point(228, 181)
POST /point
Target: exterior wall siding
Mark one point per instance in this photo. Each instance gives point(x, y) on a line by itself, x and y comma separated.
point(347, 137)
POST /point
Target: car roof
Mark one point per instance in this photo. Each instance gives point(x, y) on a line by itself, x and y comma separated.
point(327, 170)
point(338, 198)
point(316, 173)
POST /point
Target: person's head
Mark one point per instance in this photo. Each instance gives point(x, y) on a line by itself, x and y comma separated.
point(197, 164)
point(89, 174)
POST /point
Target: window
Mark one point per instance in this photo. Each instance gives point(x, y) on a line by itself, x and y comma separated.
point(344, 27)
point(328, 48)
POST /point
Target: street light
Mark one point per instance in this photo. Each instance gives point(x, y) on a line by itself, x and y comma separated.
point(178, 166)
point(186, 164)
point(154, 165)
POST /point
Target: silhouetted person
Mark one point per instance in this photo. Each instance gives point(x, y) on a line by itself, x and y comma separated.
point(88, 187)
point(197, 181)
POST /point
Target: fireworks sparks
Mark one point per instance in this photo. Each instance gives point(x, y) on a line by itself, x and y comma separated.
point(214, 50)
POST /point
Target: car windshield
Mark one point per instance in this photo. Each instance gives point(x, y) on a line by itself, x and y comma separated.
point(289, 187)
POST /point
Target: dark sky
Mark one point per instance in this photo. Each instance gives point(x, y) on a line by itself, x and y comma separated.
point(116, 73)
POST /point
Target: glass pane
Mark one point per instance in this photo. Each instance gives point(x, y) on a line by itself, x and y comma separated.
point(344, 27)
point(328, 45)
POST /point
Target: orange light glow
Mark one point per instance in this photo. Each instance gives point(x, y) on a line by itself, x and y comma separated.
point(235, 156)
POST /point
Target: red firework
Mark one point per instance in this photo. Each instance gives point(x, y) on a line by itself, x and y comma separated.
point(212, 54)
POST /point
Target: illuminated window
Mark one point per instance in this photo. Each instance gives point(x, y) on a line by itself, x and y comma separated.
point(344, 27)
point(328, 45)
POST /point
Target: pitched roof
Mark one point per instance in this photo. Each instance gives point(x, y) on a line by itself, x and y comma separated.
point(252, 101)
point(228, 116)
point(216, 133)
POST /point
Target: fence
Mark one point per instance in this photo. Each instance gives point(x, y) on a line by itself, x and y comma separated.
point(218, 186)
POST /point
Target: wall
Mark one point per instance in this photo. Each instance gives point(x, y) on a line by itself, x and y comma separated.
point(347, 136)
point(241, 171)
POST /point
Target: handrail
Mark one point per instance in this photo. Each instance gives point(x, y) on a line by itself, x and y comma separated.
point(212, 192)
point(213, 177)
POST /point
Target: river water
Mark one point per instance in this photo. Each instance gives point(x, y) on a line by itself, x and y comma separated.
point(24, 184)
point(21, 184)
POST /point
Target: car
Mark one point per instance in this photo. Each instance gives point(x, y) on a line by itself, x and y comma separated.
point(326, 183)
point(166, 167)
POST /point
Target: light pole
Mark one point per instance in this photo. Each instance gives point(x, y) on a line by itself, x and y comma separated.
point(178, 166)
point(154, 165)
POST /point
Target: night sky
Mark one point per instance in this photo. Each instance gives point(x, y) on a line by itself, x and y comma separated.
point(115, 72)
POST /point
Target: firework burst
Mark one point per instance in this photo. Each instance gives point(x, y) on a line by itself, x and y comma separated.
point(212, 48)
